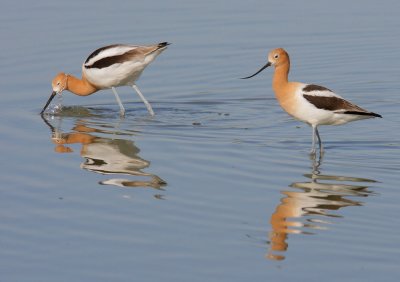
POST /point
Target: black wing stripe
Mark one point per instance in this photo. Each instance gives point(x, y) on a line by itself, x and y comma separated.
point(332, 103)
point(108, 61)
point(313, 87)
point(96, 52)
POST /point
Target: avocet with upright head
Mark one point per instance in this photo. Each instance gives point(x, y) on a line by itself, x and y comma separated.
point(109, 67)
point(310, 103)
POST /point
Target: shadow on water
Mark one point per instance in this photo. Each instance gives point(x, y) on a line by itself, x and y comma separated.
point(308, 207)
point(103, 150)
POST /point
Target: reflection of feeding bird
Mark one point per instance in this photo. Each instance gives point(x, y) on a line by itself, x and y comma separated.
point(312, 104)
point(117, 156)
point(113, 156)
point(109, 67)
point(106, 155)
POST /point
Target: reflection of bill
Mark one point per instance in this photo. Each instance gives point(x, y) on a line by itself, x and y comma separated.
point(306, 210)
point(107, 156)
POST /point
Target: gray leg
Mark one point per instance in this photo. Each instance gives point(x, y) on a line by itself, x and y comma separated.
point(122, 109)
point(319, 140)
point(148, 106)
point(314, 134)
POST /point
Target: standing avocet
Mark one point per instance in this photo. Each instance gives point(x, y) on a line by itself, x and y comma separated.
point(310, 103)
point(109, 67)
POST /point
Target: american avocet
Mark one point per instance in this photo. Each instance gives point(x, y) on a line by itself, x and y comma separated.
point(109, 67)
point(310, 103)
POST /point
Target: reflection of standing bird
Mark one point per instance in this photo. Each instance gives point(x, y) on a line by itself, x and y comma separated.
point(313, 104)
point(311, 206)
point(109, 67)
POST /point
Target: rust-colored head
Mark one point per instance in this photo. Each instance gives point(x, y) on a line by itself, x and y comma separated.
point(276, 57)
point(59, 83)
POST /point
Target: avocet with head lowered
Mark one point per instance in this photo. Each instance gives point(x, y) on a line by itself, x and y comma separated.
point(109, 67)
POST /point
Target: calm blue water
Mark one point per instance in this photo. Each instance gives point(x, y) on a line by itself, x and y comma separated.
point(218, 186)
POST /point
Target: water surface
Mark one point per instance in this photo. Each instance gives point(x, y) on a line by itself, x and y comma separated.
point(219, 185)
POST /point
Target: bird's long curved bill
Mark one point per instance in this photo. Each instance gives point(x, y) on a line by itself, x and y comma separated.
point(53, 94)
point(263, 68)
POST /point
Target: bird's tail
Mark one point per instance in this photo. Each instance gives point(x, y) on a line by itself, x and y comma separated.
point(157, 49)
point(163, 45)
point(371, 114)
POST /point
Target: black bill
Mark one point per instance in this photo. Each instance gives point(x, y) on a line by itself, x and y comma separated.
point(53, 94)
point(263, 68)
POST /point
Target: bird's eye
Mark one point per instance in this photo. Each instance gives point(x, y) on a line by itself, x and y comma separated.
point(276, 56)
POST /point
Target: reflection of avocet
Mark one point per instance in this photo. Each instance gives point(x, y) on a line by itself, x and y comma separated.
point(117, 156)
point(106, 155)
point(308, 209)
point(111, 156)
